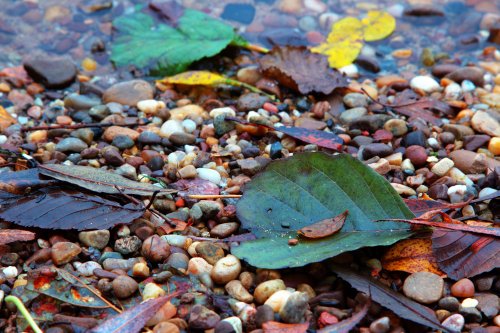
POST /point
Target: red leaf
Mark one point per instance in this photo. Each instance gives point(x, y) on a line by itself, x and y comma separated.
point(324, 228)
point(346, 325)
point(277, 327)
point(419, 206)
point(14, 235)
point(134, 319)
point(460, 254)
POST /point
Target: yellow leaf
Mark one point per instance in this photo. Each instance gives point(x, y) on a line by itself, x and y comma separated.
point(203, 78)
point(5, 119)
point(378, 25)
point(411, 255)
point(344, 42)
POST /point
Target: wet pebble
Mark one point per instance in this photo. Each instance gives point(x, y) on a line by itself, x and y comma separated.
point(351, 115)
point(226, 269)
point(267, 288)
point(202, 318)
point(417, 155)
point(381, 325)
point(449, 303)
point(473, 74)
point(128, 245)
point(149, 138)
point(87, 268)
point(295, 309)
point(454, 323)
point(236, 290)
point(463, 288)
point(210, 252)
point(224, 230)
point(397, 127)
point(264, 314)
point(376, 149)
point(52, 72)
point(112, 156)
point(155, 248)
point(122, 142)
point(95, 238)
point(64, 252)
point(424, 83)
point(71, 145)
point(355, 100)
point(124, 286)
point(483, 122)
point(251, 101)
point(209, 174)
point(128, 92)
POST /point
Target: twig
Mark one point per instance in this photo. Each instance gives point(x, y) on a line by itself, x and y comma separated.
point(93, 291)
point(20, 306)
point(387, 105)
point(77, 126)
point(213, 196)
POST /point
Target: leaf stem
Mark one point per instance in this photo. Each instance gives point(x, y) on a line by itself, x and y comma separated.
point(257, 48)
point(20, 306)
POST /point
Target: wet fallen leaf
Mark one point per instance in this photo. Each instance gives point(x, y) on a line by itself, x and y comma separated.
point(377, 25)
point(165, 50)
point(277, 327)
point(419, 206)
point(324, 228)
point(320, 138)
point(411, 255)
point(295, 192)
point(5, 119)
point(195, 186)
point(346, 325)
point(64, 208)
point(460, 254)
point(206, 78)
point(390, 299)
point(15, 235)
point(134, 319)
point(98, 180)
point(24, 181)
point(343, 43)
point(297, 68)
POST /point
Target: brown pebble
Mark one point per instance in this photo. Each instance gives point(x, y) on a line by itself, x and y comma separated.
point(293, 241)
point(463, 288)
point(124, 286)
point(64, 252)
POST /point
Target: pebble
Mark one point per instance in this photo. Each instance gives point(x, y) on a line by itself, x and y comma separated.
point(267, 288)
point(229, 325)
point(457, 194)
point(202, 318)
point(171, 126)
point(124, 286)
point(470, 162)
point(64, 252)
point(71, 145)
point(236, 290)
point(152, 290)
point(415, 138)
point(376, 149)
point(10, 272)
point(277, 300)
point(424, 287)
point(351, 115)
point(454, 323)
point(52, 72)
point(485, 123)
point(112, 156)
point(403, 189)
point(355, 100)
point(150, 106)
point(165, 327)
point(494, 146)
point(226, 269)
point(199, 266)
point(112, 131)
point(449, 303)
point(155, 248)
point(425, 83)
point(182, 138)
point(210, 252)
point(122, 142)
point(471, 315)
point(210, 175)
point(469, 303)
point(95, 238)
point(473, 142)
point(442, 167)
point(189, 111)
point(473, 74)
point(87, 268)
point(417, 155)
point(295, 309)
point(128, 245)
point(166, 312)
point(78, 102)
point(264, 314)
point(251, 101)
point(397, 127)
point(149, 138)
point(381, 325)
point(128, 92)
point(224, 230)
point(178, 262)
point(463, 288)
point(488, 304)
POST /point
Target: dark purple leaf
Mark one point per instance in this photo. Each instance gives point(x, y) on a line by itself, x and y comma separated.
point(320, 138)
point(64, 208)
point(195, 186)
point(346, 325)
point(169, 10)
point(23, 181)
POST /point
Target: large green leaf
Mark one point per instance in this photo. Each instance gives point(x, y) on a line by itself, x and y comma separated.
point(310, 187)
point(165, 50)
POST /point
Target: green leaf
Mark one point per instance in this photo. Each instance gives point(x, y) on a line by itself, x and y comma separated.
point(164, 50)
point(306, 188)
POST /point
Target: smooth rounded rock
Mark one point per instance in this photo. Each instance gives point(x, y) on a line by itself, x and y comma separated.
point(267, 288)
point(463, 288)
point(295, 309)
point(124, 286)
point(417, 155)
point(155, 248)
point(277, 300)
point(64, 252)
point(236, 290)
point(202, 318)
point(224, 230)
point(71, 145)
point(95, 238)
point(424, 83)
point(454, 323)
point(226, 269)
point(128, 92)
point(424, 287)
point(210, 252)
point(52, 72)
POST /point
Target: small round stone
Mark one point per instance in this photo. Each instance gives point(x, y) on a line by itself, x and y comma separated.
point(267, 288)
point(95, 238)
point(417, 155)
point(397, 127)
point(463, 288)
point(155, 248)
point(64, 252)
point(236, 290)
point(295, 309)
point(454, 323)
point(381, 325)
point(124, 286)
point(226, 269)
point(424, 287)
point(152, 290)
point(128, 245)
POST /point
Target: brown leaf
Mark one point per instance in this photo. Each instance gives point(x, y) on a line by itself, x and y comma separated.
point(346, 325)
point(5, 119)
point(411, 255)
point(394, 301)
point(63, 208)
point(460, 254)
point(98, 180)
point(277, 327)
point(14, 235)
point(297, 68)
point(419, 206)
point(324, 228)
point(134, 319)
point(24, 181)
point(406, 103)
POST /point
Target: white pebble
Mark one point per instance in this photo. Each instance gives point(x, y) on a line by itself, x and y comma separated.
point(171, 126)
point(470, 303)
point(453, 91)
point(454, 323)
point(152, 290)
point(468, 210)
point(189, 125)
point(407, 165)
point(176, 157)
point(442, 167)
point(456, 193)
point(396, 10)
point(486, 191)
point(252, 116)
point(227, 111)
point(150, 106)
point(3, 139)
point(10, 272)
point(210, 175)
point(459, 176)
point(87, 268)
point(468, 86)
point(433, 143)
point(350, 70)
point(424, 83)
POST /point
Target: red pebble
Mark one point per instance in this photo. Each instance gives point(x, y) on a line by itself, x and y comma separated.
point(326, 319)
point(270, 107)
point(382, 135)
point(315, 37)
point(180, 203)
point(463, 288)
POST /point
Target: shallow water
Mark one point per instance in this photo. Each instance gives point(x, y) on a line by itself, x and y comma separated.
point(82, 28)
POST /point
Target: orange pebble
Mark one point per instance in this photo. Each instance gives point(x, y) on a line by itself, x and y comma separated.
point(463, 288)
